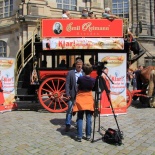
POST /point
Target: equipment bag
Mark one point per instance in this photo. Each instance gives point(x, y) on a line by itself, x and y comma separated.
point(113, 136)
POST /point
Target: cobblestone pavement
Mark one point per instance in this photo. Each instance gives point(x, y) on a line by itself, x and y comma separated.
point(26, 132)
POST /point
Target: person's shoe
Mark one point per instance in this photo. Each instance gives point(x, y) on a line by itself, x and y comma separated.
point(88, 138)
point(75, 125)
point(67, 128)
point(78, 139)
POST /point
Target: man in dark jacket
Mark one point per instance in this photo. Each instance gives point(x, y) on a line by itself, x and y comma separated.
point(71, 89)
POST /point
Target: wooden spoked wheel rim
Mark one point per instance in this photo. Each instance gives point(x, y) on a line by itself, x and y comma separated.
point(128, 97)
point(51, 94)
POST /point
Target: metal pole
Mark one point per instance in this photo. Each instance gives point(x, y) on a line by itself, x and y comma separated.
point(132, 15)
point(85, 3)
point(150, 18)
point(90, 4)
point(154, 14)
point(137, 30)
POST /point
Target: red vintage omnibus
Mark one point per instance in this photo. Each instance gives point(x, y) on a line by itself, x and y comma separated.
point(39, 73)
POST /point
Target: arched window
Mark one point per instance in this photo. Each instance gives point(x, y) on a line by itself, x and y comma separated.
point(3, 49)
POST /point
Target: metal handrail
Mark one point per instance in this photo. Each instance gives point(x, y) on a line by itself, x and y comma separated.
point(145, 49)
point(20, 55)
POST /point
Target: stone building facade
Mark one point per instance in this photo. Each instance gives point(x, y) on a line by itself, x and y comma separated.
point(18, 20)
point(18, 26)
point(144, 11)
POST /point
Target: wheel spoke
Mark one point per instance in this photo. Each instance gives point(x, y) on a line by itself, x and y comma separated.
point(46, 90)
point(62, 86)
point(59, 103)
point(46, 100)
point(50, 104)
point(58, 85)
point(44, 95)
point(53, 85)
point(62, 91)
point(65, 97)
point(49, 86)
point(63, 101)
point(55, 103)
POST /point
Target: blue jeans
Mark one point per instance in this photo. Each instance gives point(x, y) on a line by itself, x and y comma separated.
point(80, 123)
point(134, 84)
point(69, 113)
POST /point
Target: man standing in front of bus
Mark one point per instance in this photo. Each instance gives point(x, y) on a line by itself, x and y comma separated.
point(71, 89)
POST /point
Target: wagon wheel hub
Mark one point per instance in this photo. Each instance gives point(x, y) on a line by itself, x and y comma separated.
point(56, 94)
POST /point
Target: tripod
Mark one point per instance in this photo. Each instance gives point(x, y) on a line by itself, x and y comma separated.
point(100, 86)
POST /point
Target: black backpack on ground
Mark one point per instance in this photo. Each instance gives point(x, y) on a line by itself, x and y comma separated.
point(113, 136)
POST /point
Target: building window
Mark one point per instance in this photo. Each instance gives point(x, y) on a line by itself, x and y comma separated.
point(120, 8)
point(6, 8)
point(67, 4)
point(3, 49)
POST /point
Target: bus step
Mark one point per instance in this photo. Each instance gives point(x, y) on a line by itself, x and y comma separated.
point(26, 98)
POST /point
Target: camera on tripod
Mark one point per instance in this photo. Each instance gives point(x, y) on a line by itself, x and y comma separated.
point(113, 136)
point(100, 66)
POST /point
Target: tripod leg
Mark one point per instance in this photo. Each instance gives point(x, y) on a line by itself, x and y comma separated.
point(99, 124)
point(94, 129)
point(97, 101)
point(113, 112)
point(95, 113)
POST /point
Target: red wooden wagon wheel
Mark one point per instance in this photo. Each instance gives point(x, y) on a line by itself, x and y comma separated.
point(128, 97)
point(51, 94)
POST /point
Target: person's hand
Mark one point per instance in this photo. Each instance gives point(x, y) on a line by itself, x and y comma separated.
point(68, 97)
point(129, 33)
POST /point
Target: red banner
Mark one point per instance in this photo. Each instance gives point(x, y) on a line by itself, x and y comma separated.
point(82, 28)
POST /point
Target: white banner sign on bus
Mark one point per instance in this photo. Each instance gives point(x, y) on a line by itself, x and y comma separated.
point(83, 43)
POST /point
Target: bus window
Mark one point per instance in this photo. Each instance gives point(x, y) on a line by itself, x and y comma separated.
point(43, 61)
point(89, 59)
point(73, 59)
point(62, 61)
point(49, 61)
point(46, 61)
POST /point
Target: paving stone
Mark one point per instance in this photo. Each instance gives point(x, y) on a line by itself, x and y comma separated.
point(147, 152)
point(151, 148)
point(32, 133)
point(134, 152)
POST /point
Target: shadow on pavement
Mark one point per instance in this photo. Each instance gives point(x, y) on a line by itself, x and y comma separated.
point(137, 104)
point(61, 123)
point(30, 106)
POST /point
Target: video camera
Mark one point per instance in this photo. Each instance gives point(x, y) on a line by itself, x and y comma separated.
point(100, 66)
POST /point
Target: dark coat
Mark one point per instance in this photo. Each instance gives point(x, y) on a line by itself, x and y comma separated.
point(70, 87)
